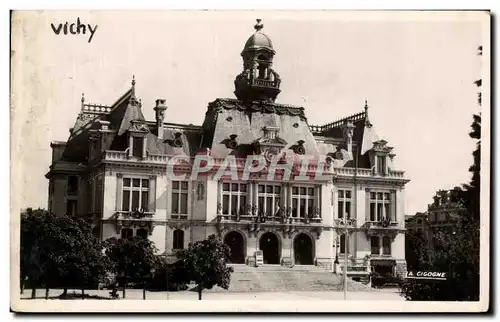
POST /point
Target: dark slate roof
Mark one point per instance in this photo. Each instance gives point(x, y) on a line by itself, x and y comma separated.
point(191, 139)
point(226, 117)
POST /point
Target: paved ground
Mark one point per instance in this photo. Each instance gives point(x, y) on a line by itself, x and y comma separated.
point(133, 294)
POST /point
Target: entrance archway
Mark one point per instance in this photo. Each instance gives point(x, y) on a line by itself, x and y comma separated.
point(303, 250)
point(236, 244)
point(270, 247)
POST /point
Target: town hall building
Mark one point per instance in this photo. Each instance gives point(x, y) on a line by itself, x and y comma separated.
point(114, 169)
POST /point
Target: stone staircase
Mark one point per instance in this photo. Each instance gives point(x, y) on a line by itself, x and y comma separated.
point(269, 278)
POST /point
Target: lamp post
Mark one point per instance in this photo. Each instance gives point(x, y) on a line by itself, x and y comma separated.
point(345, 226)
point(335, 258)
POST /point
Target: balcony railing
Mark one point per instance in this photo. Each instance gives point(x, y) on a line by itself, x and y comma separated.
point(135, 214)
point(124, 156)
point(381, 224)
point(367, 173)
point(268, 219)
point(264, 82)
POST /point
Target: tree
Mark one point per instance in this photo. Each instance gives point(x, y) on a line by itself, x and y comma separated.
point(33, 261)
point(205, 263)
point(59, 251)
point(416, 247)
point(131, 260)
point(456, 252)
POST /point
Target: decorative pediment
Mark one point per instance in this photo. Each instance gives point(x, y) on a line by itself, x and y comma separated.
point(271, 137)
point(270, 144)
point(139, 126)
point(381, 146)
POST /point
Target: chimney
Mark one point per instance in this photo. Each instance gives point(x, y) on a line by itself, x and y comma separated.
point(160, 109)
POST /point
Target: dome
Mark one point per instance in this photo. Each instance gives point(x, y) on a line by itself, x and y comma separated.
point(259, 39)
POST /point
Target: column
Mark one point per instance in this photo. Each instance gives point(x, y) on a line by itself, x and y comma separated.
point(250, 196)
point(284, 195)
point(144, 147)
point(255, 194)
point(289, 192)
point(152, 193)
point(317, 200)
point(219, 198)
point(119, 188)
point(130, 145)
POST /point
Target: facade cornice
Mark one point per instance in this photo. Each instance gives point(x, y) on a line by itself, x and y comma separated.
point(257, 106)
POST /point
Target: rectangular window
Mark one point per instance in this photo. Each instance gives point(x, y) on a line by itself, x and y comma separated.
point(234, 198)
point(380, 204)
point(375, 245)
point(344, 204)
point(343, 244)
point(127, 233)
point(178, 242)
point(304, 201)
point(386, 245)
point(72, 185)
point(137, 143)
point(71, 207)
point(179, 199)
point(269, 197)
point(135, 196)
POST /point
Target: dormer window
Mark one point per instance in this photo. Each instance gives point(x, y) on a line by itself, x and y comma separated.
point(137, 146)
point(381, 164)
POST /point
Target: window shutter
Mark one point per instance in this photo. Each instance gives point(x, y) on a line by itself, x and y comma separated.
point(367, 205)
point(152, 193)
point(119, 191)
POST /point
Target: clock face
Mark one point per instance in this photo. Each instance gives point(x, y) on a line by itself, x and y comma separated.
point(270, 153)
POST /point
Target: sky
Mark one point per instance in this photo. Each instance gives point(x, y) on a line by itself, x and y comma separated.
point(416, 70)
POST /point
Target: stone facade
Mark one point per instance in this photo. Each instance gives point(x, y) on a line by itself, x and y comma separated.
point(115, 169)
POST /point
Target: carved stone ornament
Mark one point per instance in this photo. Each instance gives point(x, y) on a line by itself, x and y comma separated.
point(179, 224)
point(177, 141)
point(299, 148)
point(139, 126)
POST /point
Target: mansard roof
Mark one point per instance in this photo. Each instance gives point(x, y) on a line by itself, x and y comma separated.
point(247, 122)
point(225, 120)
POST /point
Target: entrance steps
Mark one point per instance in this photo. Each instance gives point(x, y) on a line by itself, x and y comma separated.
point(269, 278)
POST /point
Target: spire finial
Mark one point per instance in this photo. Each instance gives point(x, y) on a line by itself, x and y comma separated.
point(83, 98)
point(367, 120)
point(133, 80)
point(259, 25)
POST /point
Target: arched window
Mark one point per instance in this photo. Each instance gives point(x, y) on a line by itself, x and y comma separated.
point(386, 245)
point(375, 243)
point(178, 239)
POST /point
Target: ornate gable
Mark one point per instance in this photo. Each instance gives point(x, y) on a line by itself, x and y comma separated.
point(270, 144)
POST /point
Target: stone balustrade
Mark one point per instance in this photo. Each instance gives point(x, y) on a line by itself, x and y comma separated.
point(367, 173)
point(123, 156)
